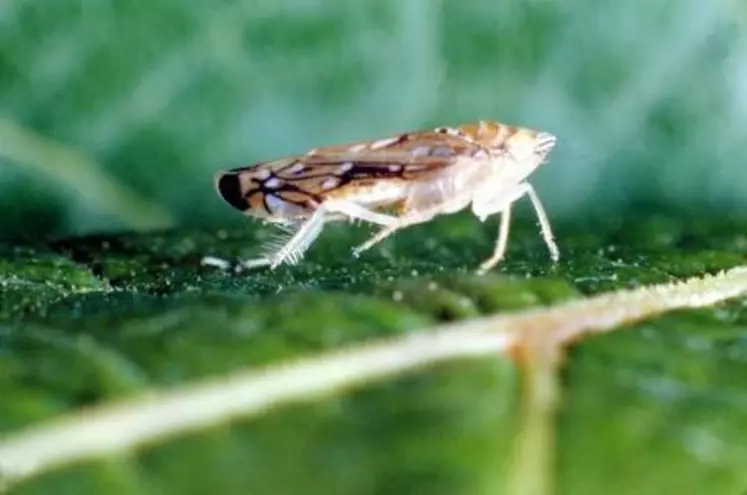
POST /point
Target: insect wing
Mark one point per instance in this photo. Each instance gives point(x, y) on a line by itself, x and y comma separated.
point(410, 156)
point(295, 186)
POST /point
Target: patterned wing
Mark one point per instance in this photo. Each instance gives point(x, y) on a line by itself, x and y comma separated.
point(294, 187)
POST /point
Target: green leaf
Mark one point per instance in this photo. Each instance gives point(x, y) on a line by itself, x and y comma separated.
point(654, 407)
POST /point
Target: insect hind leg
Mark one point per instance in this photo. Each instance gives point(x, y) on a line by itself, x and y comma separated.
point(416, 213)
point(291, 249)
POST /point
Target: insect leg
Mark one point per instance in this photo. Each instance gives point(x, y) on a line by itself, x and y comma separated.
point(401, 222)
point(504, 206)
point(292, 250)
point(501, 243)
point(544, 222)
point(422, 207)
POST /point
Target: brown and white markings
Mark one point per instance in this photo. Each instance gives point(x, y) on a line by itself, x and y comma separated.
point(394, 182)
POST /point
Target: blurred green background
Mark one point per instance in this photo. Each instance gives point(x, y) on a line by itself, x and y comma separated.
point(114, 115)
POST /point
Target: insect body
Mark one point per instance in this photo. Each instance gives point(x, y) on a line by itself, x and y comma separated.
point(394, 183)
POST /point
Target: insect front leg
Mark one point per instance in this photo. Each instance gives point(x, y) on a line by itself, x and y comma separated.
point(500, 245)
point(544, 222)
point(503, 205)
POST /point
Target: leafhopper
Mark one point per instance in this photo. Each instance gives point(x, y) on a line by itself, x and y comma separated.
point(394, 183)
